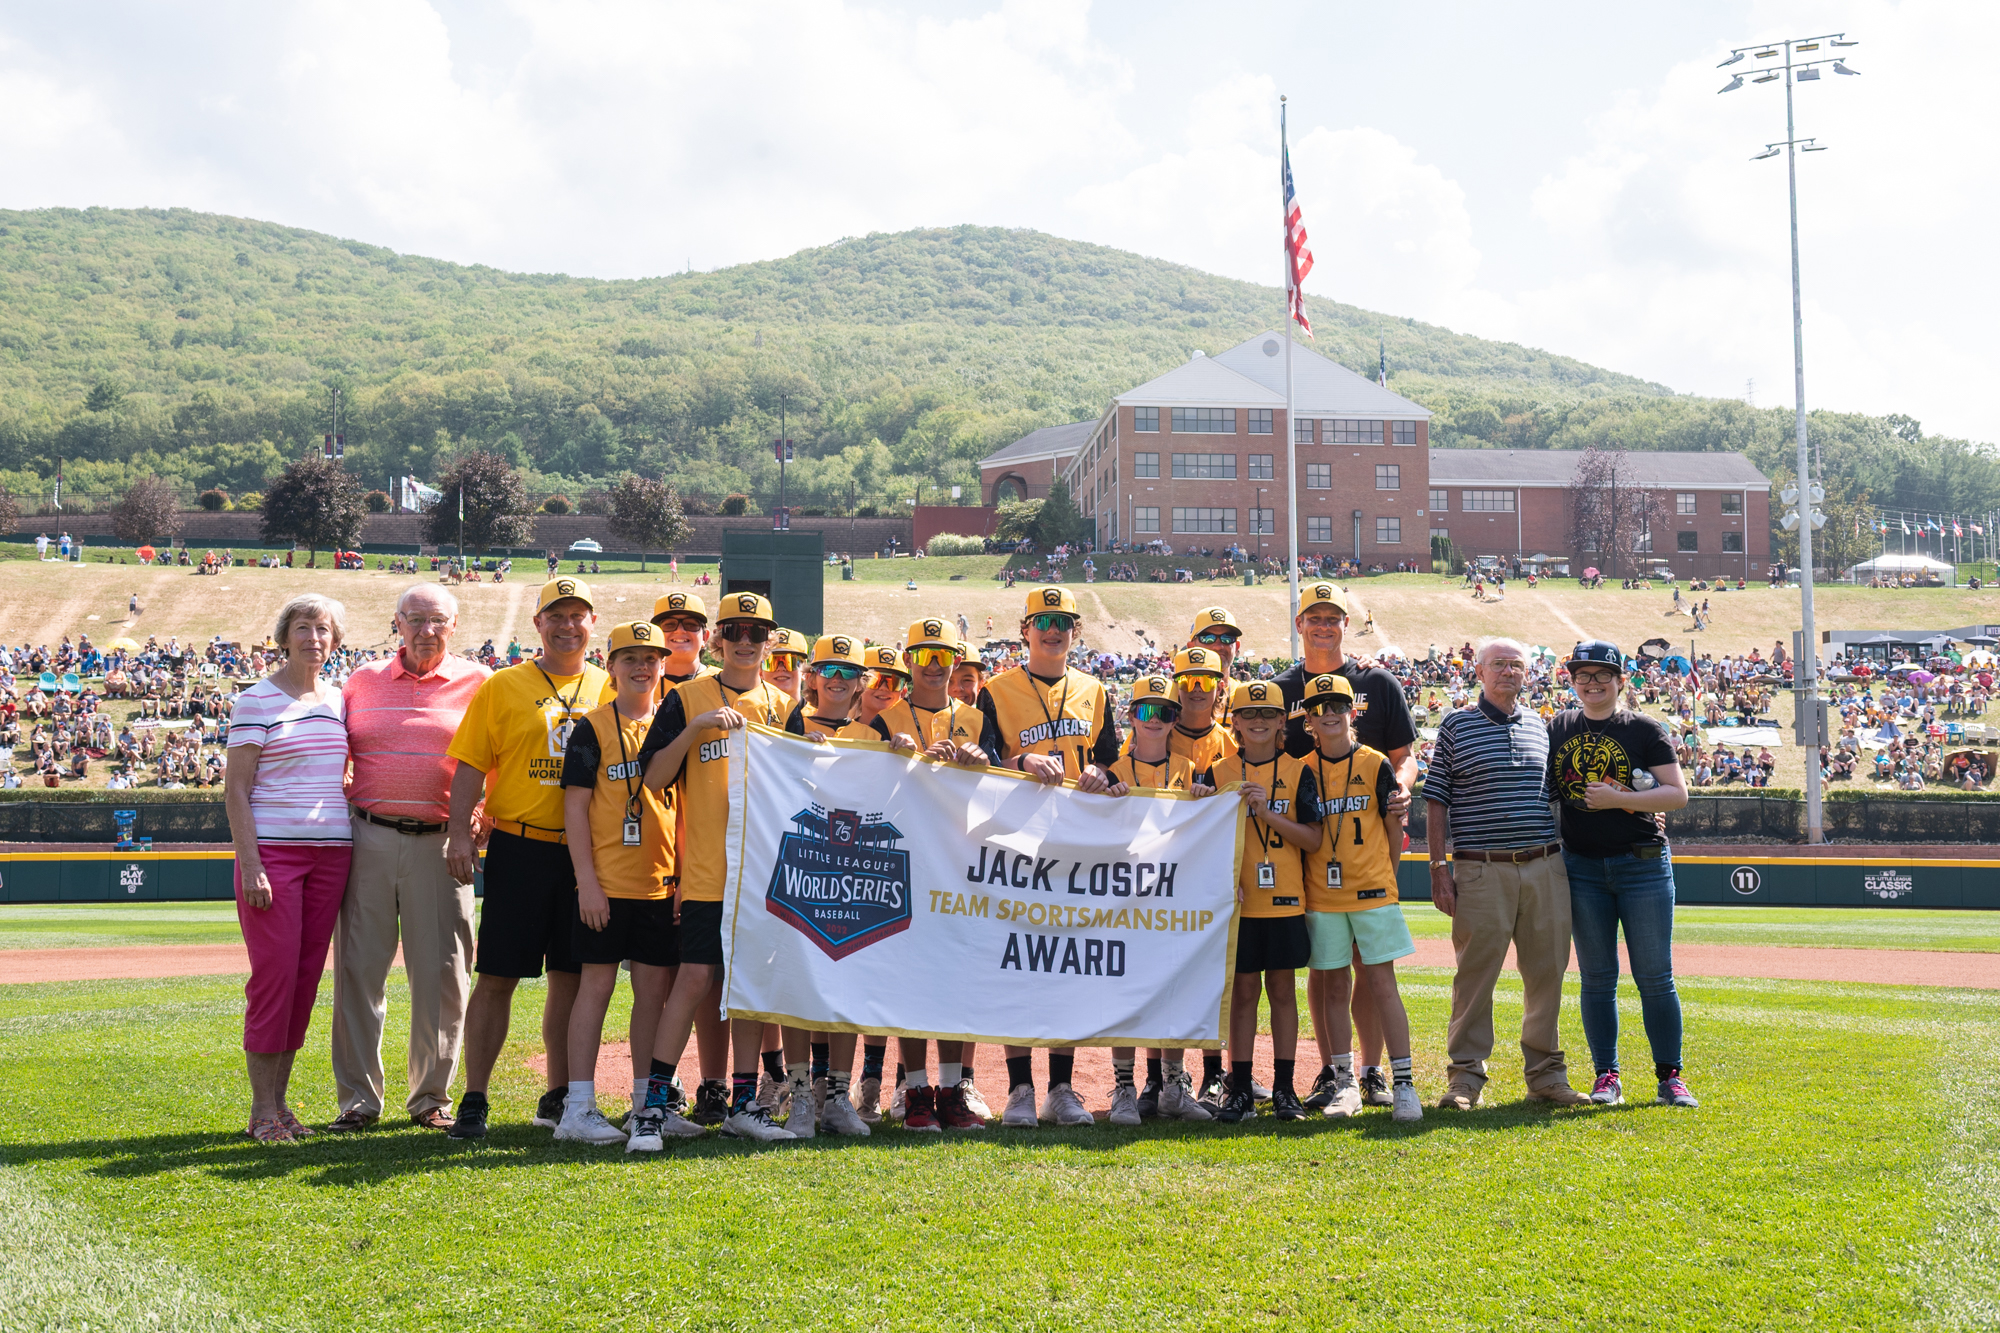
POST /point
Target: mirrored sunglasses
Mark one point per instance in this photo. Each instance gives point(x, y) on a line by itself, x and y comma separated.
point(786, 661)
point(1199, 684)
point(1155, 710)
point(933, 657)
point(1054, 620)
point(1252, 714)
point(838, 671)
point(1222, 636)
point(878, 680)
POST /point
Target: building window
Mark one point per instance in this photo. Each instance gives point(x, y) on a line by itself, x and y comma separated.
point(1683, 502)
point(1319, 528)
point(1204, 421)
point(1732, 502)
point(1302, 431)
point(1440, 535)
point(1402, 432)
point(1260, 467)
point(1688, 541)
point(1204, 520)
point(1114, 525)
point(1388, 477)
point(1440, 502)
point(1732, 543)
point(1644, 545)
point(1145, 465)
point(1388, 532)
point(1260, 421)
point(1319, 476)
point(1356, 432)
point(1205, 467)
point(1145, 518)
point(1589, 542)
point(1146, 419)
point(1261, 521)
point(1501, 502)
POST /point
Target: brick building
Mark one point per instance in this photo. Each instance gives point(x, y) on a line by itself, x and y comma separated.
point(1025, 469)
point(1517, 502)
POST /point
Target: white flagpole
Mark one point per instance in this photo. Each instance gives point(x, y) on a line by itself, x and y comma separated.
point(1291, 428)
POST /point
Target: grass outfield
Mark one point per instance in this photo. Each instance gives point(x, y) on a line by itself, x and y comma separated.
point(1839, 1175)
point(109, 925)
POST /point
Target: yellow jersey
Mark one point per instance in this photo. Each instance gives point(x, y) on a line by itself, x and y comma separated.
point(603, 755)
point(1289, 791)
point(1174, 773)
point(956, 722)
point(515, 731)
point(1355, 866)
point(703, 782)
point(1206, 750)
point(1070, 719)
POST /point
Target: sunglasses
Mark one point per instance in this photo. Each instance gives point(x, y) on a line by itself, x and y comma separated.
point(1155, 710)
point(1054, 620)
point(1256, 714)
point(933, 657)
point(736, 631)
point(1331, 706)
point(838, 671)
point(1199, 684)
point(1223, 636)
point(687, 623)
point(786, 661)
point(885, 680)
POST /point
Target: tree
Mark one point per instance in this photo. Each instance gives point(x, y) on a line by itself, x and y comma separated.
point(151, 508)
point(1059, 520)
point(378, 502)
point(315, 503)
point(647, 513)
point(105, 396)
point(1017, 519)
point(1611, 516)
point(497, 509)
point(10, 510)
point(214, 501)
point(556, 504)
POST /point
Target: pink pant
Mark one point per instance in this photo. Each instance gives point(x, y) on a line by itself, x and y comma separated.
point(288, 941)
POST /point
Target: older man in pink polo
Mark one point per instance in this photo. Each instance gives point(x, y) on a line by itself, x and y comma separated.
point(401, 714)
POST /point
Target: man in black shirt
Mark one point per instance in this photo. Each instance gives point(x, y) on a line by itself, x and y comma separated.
point(1614, 776)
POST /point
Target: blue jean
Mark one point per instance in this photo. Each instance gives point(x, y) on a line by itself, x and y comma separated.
point(1637, 893)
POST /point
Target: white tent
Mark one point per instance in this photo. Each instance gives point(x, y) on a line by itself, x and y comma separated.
point(1895, 566)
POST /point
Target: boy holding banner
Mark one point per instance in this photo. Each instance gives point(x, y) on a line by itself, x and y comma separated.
point(1200, 677)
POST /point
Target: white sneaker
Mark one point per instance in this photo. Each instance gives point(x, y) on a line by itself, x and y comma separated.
point(868, 1100)
point(838, 1116)
point(1020, 1113)
point(1124, 1105)
point(1346, 1096)
point(650, 1129)
point(803, 1118)
point(754, 1122)
point(1063, 1107)
point(1177, 1101)
point(584, 1123)
point(773, 1094)
point(973, 1101)
point(898, 1105)
point(1407, 1106)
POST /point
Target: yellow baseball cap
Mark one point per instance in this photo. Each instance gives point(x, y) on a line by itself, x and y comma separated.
point(680, 604)
point(1198, 662)
point(788, 641)
point(634, 634)
point(838, 648)
point(881, 657)
point(746, 606)
point(1052, 598)
point(1159, 688)
point(1213, 617)
point(1256, 694)
point(967, 657)
point(932, 632)
point(1322, 594)
point(556, 590)
point(1321, 688)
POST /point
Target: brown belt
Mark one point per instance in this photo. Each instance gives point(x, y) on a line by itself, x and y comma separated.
point(1515, 855)
point(402, 823)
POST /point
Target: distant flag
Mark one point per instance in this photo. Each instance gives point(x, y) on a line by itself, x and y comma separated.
point(56, 503)
point(1978, 531)
point(1298, 254)
point(1906, 525)
point(1382, 367)
point(1956, 531)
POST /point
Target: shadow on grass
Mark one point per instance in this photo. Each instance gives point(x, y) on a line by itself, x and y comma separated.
point(378, 1155)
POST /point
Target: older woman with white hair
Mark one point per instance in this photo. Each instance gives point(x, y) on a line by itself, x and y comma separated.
point(288, 820)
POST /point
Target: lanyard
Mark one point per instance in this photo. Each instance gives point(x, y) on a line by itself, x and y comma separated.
point(1062, 706)
point(736, 696)
point(1164, 763)
point(1263, 831)
point(625, 762)
point(1346, 780)
point(568, 705)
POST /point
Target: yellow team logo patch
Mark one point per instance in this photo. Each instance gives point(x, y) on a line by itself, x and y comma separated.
point(933, 628)
point(677, 601)
point(566, 587)
point(1323, 590)
point(642, 632)
point(1197, 657)
point(842, 644)
point(747, 603)
point(1051, 597)
point(1258, 692)
point(1218, 617)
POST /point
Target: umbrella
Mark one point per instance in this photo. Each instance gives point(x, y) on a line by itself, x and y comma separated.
point(129, 645)
point(1539, 651)
point(1661, 644)
point(1677, 664)
point(1922, 677)
point(1980, 657)
point(1590, 573)
point(145, 552)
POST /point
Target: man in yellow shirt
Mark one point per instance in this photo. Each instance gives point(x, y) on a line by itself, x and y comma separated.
point(509, 749)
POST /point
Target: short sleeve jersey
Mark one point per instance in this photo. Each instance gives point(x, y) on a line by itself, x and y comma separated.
point(1069, 717)
point(1612, 751)
point(703, 860)
point(956, 722)
point(1355, 866)
point(603, 755)
point(804, 723)
point(515, 731)
point(1174, 773)
point(1206, 750)
point(1290, 791)
point(1382, 718)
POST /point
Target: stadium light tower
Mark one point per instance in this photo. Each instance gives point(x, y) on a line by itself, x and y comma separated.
point(1795, 70)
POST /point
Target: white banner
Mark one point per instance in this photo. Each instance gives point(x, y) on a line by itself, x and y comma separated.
point(871, 891)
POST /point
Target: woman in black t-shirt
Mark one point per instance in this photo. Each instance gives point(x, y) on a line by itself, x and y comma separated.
point(1614, 776)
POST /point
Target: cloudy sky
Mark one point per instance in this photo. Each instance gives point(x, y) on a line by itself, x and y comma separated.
point(1560, 174)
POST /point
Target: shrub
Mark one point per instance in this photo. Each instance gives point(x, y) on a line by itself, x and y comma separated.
point(556, 504)
point(250, 501)
point(597, 503)
point(735, 505)
point(953, 543)
point(378, 502)
point(214, 501)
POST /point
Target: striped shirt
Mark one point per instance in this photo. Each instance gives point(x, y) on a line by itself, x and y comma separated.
point(297, 797)
point(399, 725)
point(1490, 770)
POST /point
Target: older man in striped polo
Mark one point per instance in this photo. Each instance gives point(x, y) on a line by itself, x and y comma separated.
point(1488, 801)
point(401, 714)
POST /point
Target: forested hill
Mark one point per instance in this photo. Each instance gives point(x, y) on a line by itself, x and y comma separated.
point(202, 347)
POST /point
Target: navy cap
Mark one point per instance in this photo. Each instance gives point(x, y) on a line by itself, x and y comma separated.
point(1596, 652)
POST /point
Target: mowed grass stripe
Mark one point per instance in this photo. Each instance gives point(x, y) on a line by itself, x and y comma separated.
point(1804, 1193)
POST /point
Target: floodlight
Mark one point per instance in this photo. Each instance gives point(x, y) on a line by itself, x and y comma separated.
point(1840, 67)
point(1772, 151)
point(1766, 55)
point(1813, 148)
point(1789, 521)
point(1838, 42)
point(1732, 60)
point(1809, 72)
point(1769, 76)
point(1818, 493)
point(1818, 520)
point(1732, 85)
point(1807, 46)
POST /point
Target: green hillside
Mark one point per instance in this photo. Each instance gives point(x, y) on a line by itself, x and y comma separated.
point(203, 347)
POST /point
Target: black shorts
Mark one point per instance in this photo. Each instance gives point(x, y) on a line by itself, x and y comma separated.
point(529, 902)
point(701, 933)
point(1272, 943)
point(641, 929)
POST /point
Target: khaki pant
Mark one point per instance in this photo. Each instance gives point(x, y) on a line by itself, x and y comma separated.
point(399, 881)
point(1526, 905)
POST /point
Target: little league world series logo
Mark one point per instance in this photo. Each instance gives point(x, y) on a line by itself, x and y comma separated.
point(841, 880)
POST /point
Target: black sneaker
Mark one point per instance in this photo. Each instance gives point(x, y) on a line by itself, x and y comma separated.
point(677, 1097)
point(1321, 1096)
point(1149, 1100)
point(1375, 1089)
point(1285, 1105)
point(1214, 1094)
point(548, 1111)
point(471, 1122)
point(1237, 1106)
point(711, 1103)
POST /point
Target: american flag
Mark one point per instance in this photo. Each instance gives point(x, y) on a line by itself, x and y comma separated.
point(1298, 255)
point(1956, 531)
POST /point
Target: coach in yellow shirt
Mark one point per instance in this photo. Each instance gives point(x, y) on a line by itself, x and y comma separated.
point(509, 749)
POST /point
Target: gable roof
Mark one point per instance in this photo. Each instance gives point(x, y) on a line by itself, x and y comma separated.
point(1665, 469)
point(1320, 387)
point(1052, 442)
point(1204, 379)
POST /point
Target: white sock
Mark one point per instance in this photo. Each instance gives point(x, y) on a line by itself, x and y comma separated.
point(581, 1093)
point(1172, 1068)
point(916, 1078)
point(1371, 1069)
point(639, 1091)
point(949, 1073)
point(1344, 1061)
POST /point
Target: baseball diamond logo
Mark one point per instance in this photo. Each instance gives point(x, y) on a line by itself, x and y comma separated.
point(842, 644)
point(1323, 590)
point(1745, 880)
point(1260, 692)
point(933, 628)
point(566, 587)
point(841, 880)
point(1218, 617)
point(1051, 597)
point(1197, 657)
point(677, 601)
point(642, 632)
point(747, 603)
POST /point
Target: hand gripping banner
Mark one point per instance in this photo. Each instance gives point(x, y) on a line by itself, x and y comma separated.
point(874, 891)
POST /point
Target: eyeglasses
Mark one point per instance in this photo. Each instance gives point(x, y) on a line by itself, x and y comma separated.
point(933, 657)
point(877, 680)
point(737, 631)
point(838, 671)
point(785, 661)
point(1155, 710)
point(1199, 684)
point(1594, 677)
point(1329, 706)
point(688, 623)
point(1258, 714)
point(436, 624)
point(1054, 620)
point(1221, 636)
